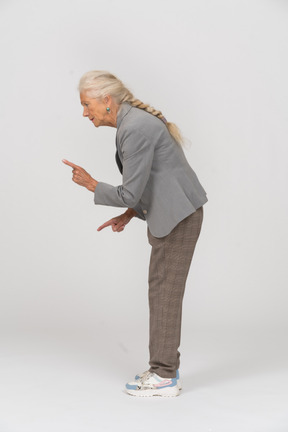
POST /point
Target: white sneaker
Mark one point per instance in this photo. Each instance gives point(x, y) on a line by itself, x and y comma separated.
point(138, 376)
point(151, 384)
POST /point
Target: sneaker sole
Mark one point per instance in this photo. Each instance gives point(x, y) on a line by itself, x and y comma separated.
point(164, 392)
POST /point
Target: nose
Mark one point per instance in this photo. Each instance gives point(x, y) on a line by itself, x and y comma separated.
point(85, 112)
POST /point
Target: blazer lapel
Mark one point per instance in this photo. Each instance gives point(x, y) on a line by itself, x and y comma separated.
point(123, 111)
point(118, 161)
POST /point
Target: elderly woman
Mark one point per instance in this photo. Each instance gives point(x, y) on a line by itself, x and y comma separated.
point(159, 186)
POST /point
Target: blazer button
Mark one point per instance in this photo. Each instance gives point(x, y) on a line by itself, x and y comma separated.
point(145, 211)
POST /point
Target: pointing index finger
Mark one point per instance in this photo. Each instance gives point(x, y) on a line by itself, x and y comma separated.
point(70, 163)
point(106, 224)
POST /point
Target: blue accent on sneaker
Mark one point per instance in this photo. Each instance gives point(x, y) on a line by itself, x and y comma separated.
point(131, 387)
point(174, 383)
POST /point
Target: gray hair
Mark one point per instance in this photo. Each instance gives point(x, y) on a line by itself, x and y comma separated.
point(98, 84)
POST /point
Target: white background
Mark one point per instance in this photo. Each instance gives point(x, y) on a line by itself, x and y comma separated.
point(74, 301)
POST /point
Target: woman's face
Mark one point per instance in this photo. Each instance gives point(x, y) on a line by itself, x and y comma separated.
point(95, 110)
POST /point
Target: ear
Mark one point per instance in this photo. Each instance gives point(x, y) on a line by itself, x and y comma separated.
point(107, 100)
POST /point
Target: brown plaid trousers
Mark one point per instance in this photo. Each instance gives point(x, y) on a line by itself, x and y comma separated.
point(170, 261)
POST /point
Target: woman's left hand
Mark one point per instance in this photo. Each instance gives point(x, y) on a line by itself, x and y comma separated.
point(81, 177)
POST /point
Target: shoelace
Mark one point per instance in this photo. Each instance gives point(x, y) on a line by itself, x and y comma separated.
point(145, 376)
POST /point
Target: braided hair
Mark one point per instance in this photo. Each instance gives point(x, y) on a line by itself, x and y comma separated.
point(102, 83)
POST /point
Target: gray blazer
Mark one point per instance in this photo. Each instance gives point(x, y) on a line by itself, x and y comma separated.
point(158, 181)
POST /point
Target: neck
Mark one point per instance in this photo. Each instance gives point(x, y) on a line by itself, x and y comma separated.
point(114, 108)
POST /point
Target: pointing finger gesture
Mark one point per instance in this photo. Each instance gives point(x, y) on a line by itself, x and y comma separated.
point(81, 177)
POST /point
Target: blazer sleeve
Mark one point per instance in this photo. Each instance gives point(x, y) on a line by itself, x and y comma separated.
point(138, 152)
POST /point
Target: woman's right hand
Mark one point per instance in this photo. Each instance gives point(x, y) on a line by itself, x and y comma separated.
point(118, 223)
